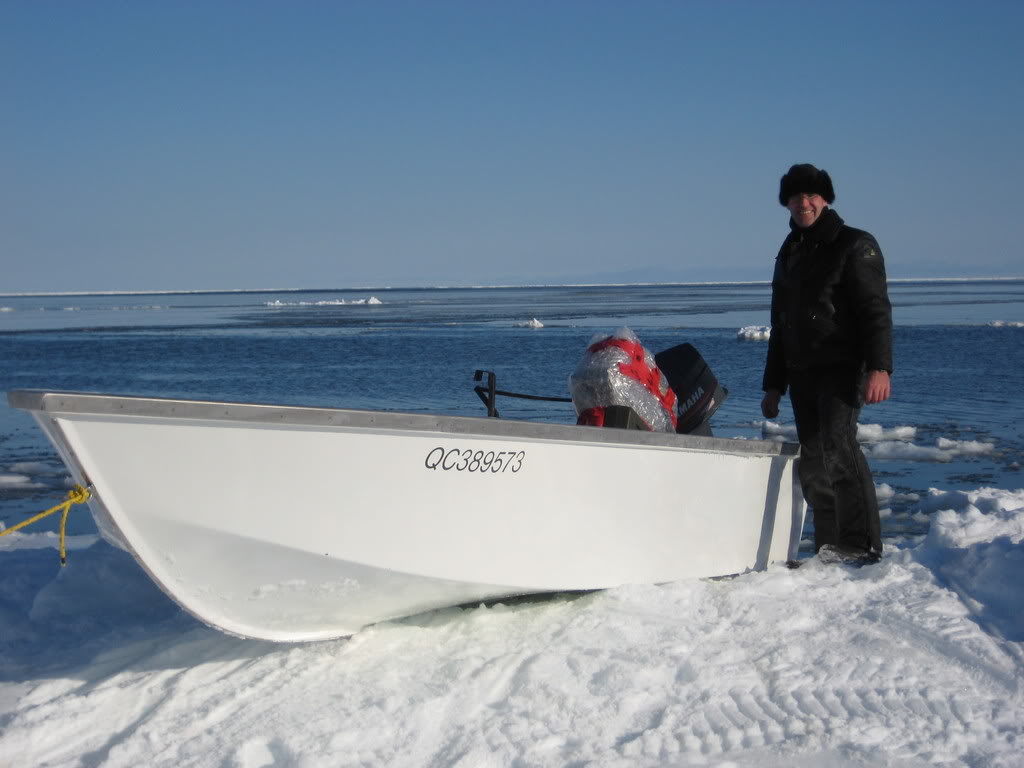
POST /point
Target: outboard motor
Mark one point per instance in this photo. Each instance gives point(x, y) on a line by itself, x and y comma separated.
point(697, 390)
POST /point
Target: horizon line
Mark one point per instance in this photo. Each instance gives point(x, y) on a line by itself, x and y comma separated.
point(649, 283)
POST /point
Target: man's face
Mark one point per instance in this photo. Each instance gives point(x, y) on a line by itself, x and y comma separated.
point(805, 208)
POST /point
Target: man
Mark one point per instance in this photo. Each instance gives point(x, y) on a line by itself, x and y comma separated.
point(831, 345)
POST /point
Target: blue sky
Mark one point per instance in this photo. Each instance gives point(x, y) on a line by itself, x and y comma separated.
point(200, 145)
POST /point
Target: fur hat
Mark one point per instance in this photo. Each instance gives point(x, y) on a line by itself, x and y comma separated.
point(806, 178)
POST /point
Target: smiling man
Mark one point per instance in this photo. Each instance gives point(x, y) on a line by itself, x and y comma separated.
point(831, 346)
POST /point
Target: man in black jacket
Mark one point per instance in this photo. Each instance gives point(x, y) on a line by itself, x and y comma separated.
point(831, 346)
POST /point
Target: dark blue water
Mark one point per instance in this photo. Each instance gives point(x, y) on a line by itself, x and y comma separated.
point(959, 377)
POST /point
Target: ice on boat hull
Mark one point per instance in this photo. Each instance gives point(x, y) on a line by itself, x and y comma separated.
point(291, 524)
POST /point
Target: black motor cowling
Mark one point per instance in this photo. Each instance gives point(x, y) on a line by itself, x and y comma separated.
point(697, 389)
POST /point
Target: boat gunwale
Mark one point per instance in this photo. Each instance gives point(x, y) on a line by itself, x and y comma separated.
point(55, 402)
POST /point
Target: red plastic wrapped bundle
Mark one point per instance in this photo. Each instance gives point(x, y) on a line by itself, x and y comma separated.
point(618, 370)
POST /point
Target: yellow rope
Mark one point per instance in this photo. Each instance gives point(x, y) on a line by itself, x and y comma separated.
point(77, 495)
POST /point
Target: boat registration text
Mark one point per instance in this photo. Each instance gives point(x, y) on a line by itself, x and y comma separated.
point(468, 460)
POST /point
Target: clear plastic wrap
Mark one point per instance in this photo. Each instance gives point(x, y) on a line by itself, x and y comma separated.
point(619, 370)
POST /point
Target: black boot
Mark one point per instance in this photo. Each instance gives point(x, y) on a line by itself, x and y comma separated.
point(846, 555)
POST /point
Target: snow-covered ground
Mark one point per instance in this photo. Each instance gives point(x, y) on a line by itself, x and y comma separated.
point(916, 661)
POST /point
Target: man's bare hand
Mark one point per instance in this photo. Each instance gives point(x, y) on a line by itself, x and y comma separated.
point(770, 403)
point(878, 387)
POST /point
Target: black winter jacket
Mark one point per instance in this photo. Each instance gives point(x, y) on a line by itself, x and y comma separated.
point(830, 306)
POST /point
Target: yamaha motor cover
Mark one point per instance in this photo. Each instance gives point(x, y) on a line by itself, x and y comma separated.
point(697, 390)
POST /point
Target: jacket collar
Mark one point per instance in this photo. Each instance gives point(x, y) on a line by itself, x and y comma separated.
point(824, 230)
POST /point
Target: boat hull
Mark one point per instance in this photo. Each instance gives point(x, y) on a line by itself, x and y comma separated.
point(294, 524)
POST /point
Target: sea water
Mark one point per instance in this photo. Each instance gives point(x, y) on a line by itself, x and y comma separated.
point(953, 421)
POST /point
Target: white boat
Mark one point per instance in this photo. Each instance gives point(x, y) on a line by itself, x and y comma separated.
point(295, 524)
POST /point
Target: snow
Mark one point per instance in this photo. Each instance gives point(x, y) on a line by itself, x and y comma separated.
point(968, 518)
point(944, 449)
point(772, 429)
point(880, 442)
point(276, 303)
point(29, 466)
point(886, 493)
point(533, 322)
point(876, 433)
point(866, 433)
point(916, 661)
point(9, 480)
point(754, 333)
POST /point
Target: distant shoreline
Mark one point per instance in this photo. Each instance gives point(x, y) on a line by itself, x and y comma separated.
point(208, 291)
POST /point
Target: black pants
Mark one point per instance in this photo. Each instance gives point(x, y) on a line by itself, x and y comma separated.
point(834, 474)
